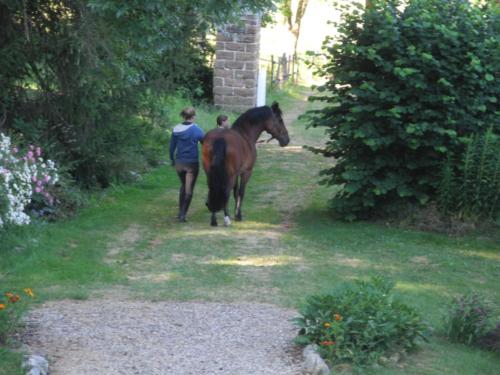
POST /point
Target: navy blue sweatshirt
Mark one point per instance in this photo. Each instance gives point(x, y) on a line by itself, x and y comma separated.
point(185, 138)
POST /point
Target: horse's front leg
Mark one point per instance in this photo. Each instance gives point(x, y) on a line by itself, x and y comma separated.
point(227, 219)
point(241, 194)
point(213, 221)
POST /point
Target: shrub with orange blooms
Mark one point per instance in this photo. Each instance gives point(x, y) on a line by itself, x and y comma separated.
point(359, 323)
point(12, 306)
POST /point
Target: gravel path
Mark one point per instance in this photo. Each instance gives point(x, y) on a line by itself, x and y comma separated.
point(107, 337)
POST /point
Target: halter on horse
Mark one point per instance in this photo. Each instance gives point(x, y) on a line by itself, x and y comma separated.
point(229, 156)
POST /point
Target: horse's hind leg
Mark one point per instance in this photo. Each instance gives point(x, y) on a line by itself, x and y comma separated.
point(233, 183)
point(235, 193)
point(213, 221)
point(241, 194)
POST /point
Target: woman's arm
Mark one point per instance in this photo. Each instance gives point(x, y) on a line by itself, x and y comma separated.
point(173, 145)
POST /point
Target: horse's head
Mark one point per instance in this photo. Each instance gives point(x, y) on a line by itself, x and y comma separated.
point(276, 127)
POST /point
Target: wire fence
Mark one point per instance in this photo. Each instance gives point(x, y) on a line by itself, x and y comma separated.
point(295, 69)
point(283, 69)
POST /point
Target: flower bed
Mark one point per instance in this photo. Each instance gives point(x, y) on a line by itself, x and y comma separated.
point(12, 306)
point(24, 176)
point(360, 323)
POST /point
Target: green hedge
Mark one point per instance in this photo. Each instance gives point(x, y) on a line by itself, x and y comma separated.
point(407, 83)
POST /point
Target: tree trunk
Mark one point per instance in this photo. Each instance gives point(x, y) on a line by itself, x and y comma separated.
point(294, 26)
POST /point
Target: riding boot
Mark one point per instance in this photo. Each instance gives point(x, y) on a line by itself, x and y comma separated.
point(187, 201)
point(182, 197)
point(185, 207)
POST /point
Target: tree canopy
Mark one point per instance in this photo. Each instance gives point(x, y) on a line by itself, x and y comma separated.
point(74, 73)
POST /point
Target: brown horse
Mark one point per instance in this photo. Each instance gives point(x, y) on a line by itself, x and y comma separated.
point(229, 156)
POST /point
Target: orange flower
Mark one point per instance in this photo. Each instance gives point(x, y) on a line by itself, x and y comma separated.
point(327, 343)
point(2, 306)
point(14, 298)
point(9, 295)
point(29, 292)
point(327, 325)
point(337, 317)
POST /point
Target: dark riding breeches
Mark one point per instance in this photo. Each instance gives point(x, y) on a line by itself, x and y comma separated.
point(187, 174)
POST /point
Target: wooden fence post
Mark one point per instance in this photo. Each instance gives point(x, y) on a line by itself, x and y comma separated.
point(284, 61)
point(278, 72)
point(272, 70)
point(296, 68)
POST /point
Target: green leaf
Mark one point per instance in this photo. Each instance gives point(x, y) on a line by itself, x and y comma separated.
point(404, 191)
point(444, 82)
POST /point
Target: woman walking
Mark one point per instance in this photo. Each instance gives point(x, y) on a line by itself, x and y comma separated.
point(185, 138)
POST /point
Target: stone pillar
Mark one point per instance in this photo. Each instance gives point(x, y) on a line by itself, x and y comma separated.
point(237, 65)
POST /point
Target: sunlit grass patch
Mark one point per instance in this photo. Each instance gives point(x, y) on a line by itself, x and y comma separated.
point(421, 287)
point(257, 261)
point(154, 277)
point(482, 254)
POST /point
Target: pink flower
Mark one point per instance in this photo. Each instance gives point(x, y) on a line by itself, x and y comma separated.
point(30, 154)
point(33, 178)
point(38, 151)
point(38, 189)
point(39, 183)
point(31, 147)
point(15, 150)
point(46, 178)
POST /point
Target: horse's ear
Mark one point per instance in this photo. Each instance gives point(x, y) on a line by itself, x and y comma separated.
point(276, 108)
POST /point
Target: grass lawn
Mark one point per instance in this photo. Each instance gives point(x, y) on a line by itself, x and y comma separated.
point(287, 248)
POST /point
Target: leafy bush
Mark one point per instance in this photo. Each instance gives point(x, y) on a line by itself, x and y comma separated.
point(12, 306)
point(470, 188)
point(406, 81)
point(467, 319)
point(360, 323)
point(68, 199)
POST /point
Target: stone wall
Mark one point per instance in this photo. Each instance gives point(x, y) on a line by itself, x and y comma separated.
point(237, 64)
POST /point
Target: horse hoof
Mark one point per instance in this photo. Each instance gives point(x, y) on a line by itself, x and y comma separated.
point(227, 221)
point(213, 223)
point(238, 218)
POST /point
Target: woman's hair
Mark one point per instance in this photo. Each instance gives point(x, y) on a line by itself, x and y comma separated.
point(188, 113)
point(220, 119)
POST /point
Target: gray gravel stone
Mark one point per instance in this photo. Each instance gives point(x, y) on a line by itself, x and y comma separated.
point(313, 363)
point(35, 364)
point(132, 337)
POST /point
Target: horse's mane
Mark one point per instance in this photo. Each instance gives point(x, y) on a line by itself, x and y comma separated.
point(252, 116)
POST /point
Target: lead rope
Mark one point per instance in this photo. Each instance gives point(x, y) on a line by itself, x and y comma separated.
point(264, 141)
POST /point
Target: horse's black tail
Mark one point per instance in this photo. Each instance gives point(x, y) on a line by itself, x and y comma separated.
point(217, 178)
